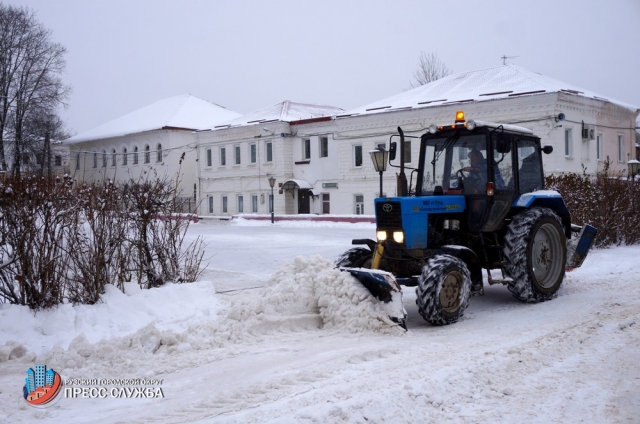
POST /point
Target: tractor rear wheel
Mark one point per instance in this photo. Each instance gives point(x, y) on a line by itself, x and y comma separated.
point(357, 257)
point(443, 290)
point(536, 253)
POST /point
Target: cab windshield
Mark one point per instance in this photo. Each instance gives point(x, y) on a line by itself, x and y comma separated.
point(457, 163)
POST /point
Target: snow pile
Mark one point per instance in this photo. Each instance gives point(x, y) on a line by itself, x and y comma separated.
point(314, 286)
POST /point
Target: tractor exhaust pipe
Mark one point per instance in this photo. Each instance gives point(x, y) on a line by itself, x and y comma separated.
point(402, 178)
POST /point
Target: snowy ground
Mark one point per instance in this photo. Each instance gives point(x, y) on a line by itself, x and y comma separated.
point(309, 346)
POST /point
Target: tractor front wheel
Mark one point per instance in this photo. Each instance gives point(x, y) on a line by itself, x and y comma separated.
point(443, 290)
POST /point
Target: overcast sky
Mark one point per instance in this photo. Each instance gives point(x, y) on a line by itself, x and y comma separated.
point(246, 55)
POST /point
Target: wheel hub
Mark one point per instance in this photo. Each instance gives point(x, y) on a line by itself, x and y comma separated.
point(450, 293)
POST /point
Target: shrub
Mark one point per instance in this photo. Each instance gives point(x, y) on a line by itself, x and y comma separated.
point(608, 201)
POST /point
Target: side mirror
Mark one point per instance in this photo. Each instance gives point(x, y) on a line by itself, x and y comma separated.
point(503, 143)
point(547, 149)
point(392, 150)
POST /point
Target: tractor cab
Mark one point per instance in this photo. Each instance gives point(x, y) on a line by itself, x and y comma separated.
point(490, 164)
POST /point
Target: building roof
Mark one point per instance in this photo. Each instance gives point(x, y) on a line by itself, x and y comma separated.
point(507, 81)
point(184, 112)
point(286, 111)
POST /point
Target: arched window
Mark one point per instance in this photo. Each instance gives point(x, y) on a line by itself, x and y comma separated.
point(77, 160)
point(114, 161)
point(159, 153)
point(124, 156)
point(104, 158)
point(135, 155)
point(147, 154)
point(95, 159)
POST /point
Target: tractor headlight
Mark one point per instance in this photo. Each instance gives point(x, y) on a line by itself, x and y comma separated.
point(471, 124)
point(398, 236)
point(433, 128)
point(451, 224)
point(381, 235)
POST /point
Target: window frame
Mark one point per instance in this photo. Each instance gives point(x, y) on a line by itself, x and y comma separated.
point(355, 149)
point(621, 149)
point(240, 203)
point(159, 153)
point(254, 203)
point(208, 155)
point(147, 154)
point(125, 159)
point(306, 149)
point(269, 150)
point(568, 143)
point(253, 153)
point(223, 156)
point(237, 155)
point(600, 146)
point(323, 146)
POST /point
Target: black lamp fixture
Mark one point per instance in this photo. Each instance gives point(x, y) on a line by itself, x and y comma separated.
point(272, 182)
point(379, 157)
point(634, 168)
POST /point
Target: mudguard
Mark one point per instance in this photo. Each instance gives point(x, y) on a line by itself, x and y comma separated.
point(384, 287)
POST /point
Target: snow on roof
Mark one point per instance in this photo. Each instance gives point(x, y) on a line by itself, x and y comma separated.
point(183, 111)
point(286, 111)
point(507, 81)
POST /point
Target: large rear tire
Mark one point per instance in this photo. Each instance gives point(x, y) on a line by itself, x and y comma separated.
point(536, 254)
point(443, 290)
point(356, 257)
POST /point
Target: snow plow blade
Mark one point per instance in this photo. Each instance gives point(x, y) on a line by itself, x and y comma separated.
point(383, 286)
point(578, 247)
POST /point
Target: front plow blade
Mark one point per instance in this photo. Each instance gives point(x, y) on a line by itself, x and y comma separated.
point(383, 286)
point(578, 247)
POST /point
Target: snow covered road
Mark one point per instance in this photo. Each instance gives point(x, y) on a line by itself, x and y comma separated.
point(290, 352)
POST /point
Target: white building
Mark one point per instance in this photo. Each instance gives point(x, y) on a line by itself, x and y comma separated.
point(154, 141)
point(324, 163)
point(237, 157)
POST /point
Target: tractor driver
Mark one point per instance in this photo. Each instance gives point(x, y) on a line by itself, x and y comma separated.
point(476, 180)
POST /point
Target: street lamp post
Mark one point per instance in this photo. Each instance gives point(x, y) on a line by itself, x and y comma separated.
point(634, 167)
point(379, 157)
point(272, 182)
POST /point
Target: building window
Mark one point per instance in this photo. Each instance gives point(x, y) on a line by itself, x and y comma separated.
point(95, 159)
point(269, 151)
point(210, 204)
point(135, 155)
point(223, 156)
point(324, 147)
point(159, 153)
point(124, 156)
point(147, 154)
point(306, 149)
point(357, 155)
point(620, 148)
point(209, 157)
point(224, 204)
point(568, 142)
point(325, 203)
point(599, 146)
point(407, 151)
point(57, 160)
point(254, 203)
point(240, 204)
point(104, 158)
point(252, 153)
point(236, 149)
point(78, 161)
point(359, 204)
point(114, 161)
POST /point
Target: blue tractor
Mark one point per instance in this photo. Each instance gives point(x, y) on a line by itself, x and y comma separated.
point(478, 203)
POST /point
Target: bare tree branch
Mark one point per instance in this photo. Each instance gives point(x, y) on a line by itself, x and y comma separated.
point(430, 68)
